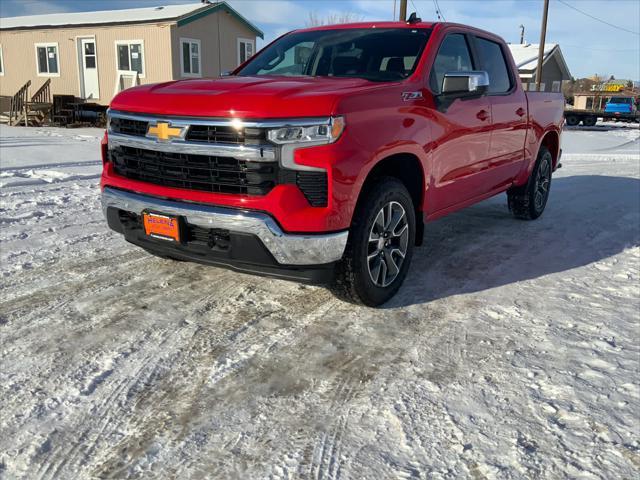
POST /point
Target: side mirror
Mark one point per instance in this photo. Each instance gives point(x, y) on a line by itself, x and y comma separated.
point(472, 83)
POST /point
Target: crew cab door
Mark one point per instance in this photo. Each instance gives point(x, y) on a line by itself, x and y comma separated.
point(508, 112)
point(461, 131)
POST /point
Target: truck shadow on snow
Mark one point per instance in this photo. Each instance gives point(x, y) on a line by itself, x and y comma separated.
point(588, 218)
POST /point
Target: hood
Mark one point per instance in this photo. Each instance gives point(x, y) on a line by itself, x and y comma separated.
point(242, 97)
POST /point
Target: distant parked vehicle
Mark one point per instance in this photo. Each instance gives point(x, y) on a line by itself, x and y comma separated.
point(621, 105)
point(617, 108)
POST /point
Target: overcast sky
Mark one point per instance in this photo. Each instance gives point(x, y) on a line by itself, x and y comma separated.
point(589, 46)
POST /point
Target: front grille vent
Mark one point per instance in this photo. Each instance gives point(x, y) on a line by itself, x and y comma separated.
point(314, 187)
point(195, 172)
point(225, 134)
point(126, 126)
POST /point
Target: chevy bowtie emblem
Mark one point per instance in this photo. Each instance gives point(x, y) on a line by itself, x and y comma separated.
point(164, 132)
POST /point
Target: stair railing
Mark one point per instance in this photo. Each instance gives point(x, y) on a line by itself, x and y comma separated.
point(19, 104)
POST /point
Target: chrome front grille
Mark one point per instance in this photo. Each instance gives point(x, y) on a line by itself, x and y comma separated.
point(211, 155)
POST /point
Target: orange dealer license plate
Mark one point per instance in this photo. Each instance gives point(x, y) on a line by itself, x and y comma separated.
point(162, 227)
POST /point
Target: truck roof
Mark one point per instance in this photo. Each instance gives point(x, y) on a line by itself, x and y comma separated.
point(382, 24)
point(387, 24)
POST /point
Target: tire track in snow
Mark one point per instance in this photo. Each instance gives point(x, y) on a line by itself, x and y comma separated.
point(233, 353)
point(152, 363)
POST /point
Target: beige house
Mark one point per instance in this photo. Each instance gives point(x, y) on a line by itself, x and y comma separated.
point(93, 55)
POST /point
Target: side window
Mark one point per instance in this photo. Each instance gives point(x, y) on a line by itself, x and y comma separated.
point(493, 62)
point(453, 56)
point(47, 59)
point(245, 50)
point(190, 60)
point(130, 56)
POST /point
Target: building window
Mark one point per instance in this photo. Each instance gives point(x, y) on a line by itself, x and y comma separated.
point(246, 49)
point(1, 62)
point(130, 56)
point(555, 86)
point(190, 57)
point(47, 59)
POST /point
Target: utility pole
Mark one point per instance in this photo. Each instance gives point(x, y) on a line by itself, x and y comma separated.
point(521, 34)
point(543, 35)
point(403, 10)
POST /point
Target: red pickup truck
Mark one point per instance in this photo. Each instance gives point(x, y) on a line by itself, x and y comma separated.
point(321, 158)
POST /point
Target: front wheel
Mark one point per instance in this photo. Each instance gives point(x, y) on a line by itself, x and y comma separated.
point(380, 245)
point(529, 201)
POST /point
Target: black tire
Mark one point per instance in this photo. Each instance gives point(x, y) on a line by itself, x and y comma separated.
point(529, 201)
point(572, 120)
point(370, 245)
point(589, 121)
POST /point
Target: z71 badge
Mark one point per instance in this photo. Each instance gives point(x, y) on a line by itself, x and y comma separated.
point(406, 96)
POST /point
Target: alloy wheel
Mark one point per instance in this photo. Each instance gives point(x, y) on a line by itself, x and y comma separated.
point(388, 242)
point(543, 180)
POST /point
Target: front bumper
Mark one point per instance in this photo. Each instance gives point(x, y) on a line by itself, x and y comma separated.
point(285, 249)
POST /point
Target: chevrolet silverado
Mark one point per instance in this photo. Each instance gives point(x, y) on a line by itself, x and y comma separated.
point(321, 158)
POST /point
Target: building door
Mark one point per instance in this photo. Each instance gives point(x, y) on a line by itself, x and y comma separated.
point(88, 69)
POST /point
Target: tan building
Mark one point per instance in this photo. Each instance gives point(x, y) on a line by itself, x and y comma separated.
point(93, 55)
point(596, 100)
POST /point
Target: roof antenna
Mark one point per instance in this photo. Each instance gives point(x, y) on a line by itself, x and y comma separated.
point(413, 18)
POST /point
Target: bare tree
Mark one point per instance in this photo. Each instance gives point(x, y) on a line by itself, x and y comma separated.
point(315, 20)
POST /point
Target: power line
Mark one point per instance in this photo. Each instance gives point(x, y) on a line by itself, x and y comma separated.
point(439, 10)
point(414, 7)
point(598, 19)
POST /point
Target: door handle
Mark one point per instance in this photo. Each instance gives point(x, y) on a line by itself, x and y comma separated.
point(521, 112)
point(482, 115)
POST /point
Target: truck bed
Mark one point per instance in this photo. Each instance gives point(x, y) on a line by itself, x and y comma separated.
point(545, 108)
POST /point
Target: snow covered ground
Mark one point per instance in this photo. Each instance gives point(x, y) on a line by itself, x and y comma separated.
point(512, 351)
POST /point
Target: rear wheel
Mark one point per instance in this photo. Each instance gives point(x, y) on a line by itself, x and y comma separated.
point(529, 201)
point(572, 120)
point(589, 121)
point(380, 245)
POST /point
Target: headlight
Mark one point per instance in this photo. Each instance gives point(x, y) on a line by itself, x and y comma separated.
point(317, 134)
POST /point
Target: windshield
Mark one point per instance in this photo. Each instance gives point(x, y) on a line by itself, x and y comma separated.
point(370, 53)
point(626, 100)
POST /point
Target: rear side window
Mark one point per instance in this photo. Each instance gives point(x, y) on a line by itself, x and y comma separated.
point(453, 56)
point(493, 62)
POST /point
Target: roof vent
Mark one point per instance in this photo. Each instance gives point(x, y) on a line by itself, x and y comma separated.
point(159, 8)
